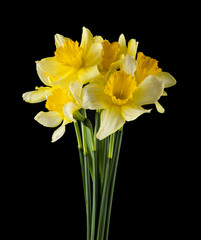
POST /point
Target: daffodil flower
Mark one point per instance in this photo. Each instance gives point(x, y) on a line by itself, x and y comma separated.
point(61, 103)
point(72, 62)
point(115, 53)
point(147, 66)
point(121, 97)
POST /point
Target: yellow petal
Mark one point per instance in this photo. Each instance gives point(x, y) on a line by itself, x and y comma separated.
point(129, 65)
point(52, 72)
point(93, 97)
point(87, 40)
point(132, 47)
point(76, 90)
point(37, 96)
point(167, 78)
point(149, 91)
point(59, 132)
point(94, 55)
point(98, 39)
point(42, 75)
point(48, 119)
point(69, 110)
point(111, 121)
point(131, 111)
point(88, 74)
point(159, 108)
point(59, 40)
point(122, 42)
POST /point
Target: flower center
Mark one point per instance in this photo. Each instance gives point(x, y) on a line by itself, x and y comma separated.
point(145, 66)
point(120, 87)
point(111, 51)
point(58, 98)
point(70, 54)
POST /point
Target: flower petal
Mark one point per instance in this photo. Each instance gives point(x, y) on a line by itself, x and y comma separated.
point(41, 73)
point(111, 121)
point(122, 43)
point(159, 107)
point(94, 55)
point(98, 39)
point(59, 40)
point(93, 97)
point(132, 47)
point(59, 132)
point(52, 72)
point(129, 65)
point(87, 40)
point(149, 91)
point(131, 111)
point(37, 96)
point(167, 78)
point(69, 109)
point(48, 119)
point(88, 74)
point(76, 90)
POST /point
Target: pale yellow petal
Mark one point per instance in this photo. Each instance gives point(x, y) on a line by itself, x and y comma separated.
point(93, 97)
point(149, 91)
point(131, 111)
point(167, 78)
point(52, 72)
point(37, 96)
point(42, 75)
point(116, 64)
point(94, 55)
point(129, 65)
point(76, 90)
point(159, 107)
point(98, 39)
point(48, 119)
point(122, 43)
point(87, 40)
point(59, 132)
point(88, 74)
point(111, 121)
point(132, 47)
point(69, 110)
point(59, 40)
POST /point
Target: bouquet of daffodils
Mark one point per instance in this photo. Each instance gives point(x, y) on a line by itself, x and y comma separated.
point(115, 81)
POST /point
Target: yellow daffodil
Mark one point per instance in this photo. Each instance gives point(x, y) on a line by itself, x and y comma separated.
point(121, 97)
point(115, 53)
point(61, 103)
point(72, 62)
point(147, 66)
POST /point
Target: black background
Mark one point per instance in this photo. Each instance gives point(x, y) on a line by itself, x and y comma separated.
point(155, 194)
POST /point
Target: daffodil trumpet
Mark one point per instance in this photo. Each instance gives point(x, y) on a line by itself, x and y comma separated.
point(115, 82)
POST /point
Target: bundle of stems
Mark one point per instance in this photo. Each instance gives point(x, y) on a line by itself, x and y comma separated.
point(98, 161)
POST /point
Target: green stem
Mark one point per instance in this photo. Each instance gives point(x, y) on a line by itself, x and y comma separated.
point(95, 195)
point(80, 150)
point(111, 146)
point(105, 148)
point(77, 131)
point(88, 195)
point(113, 178)
point(106, 187)
point(87, 182)
point(103, 207)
